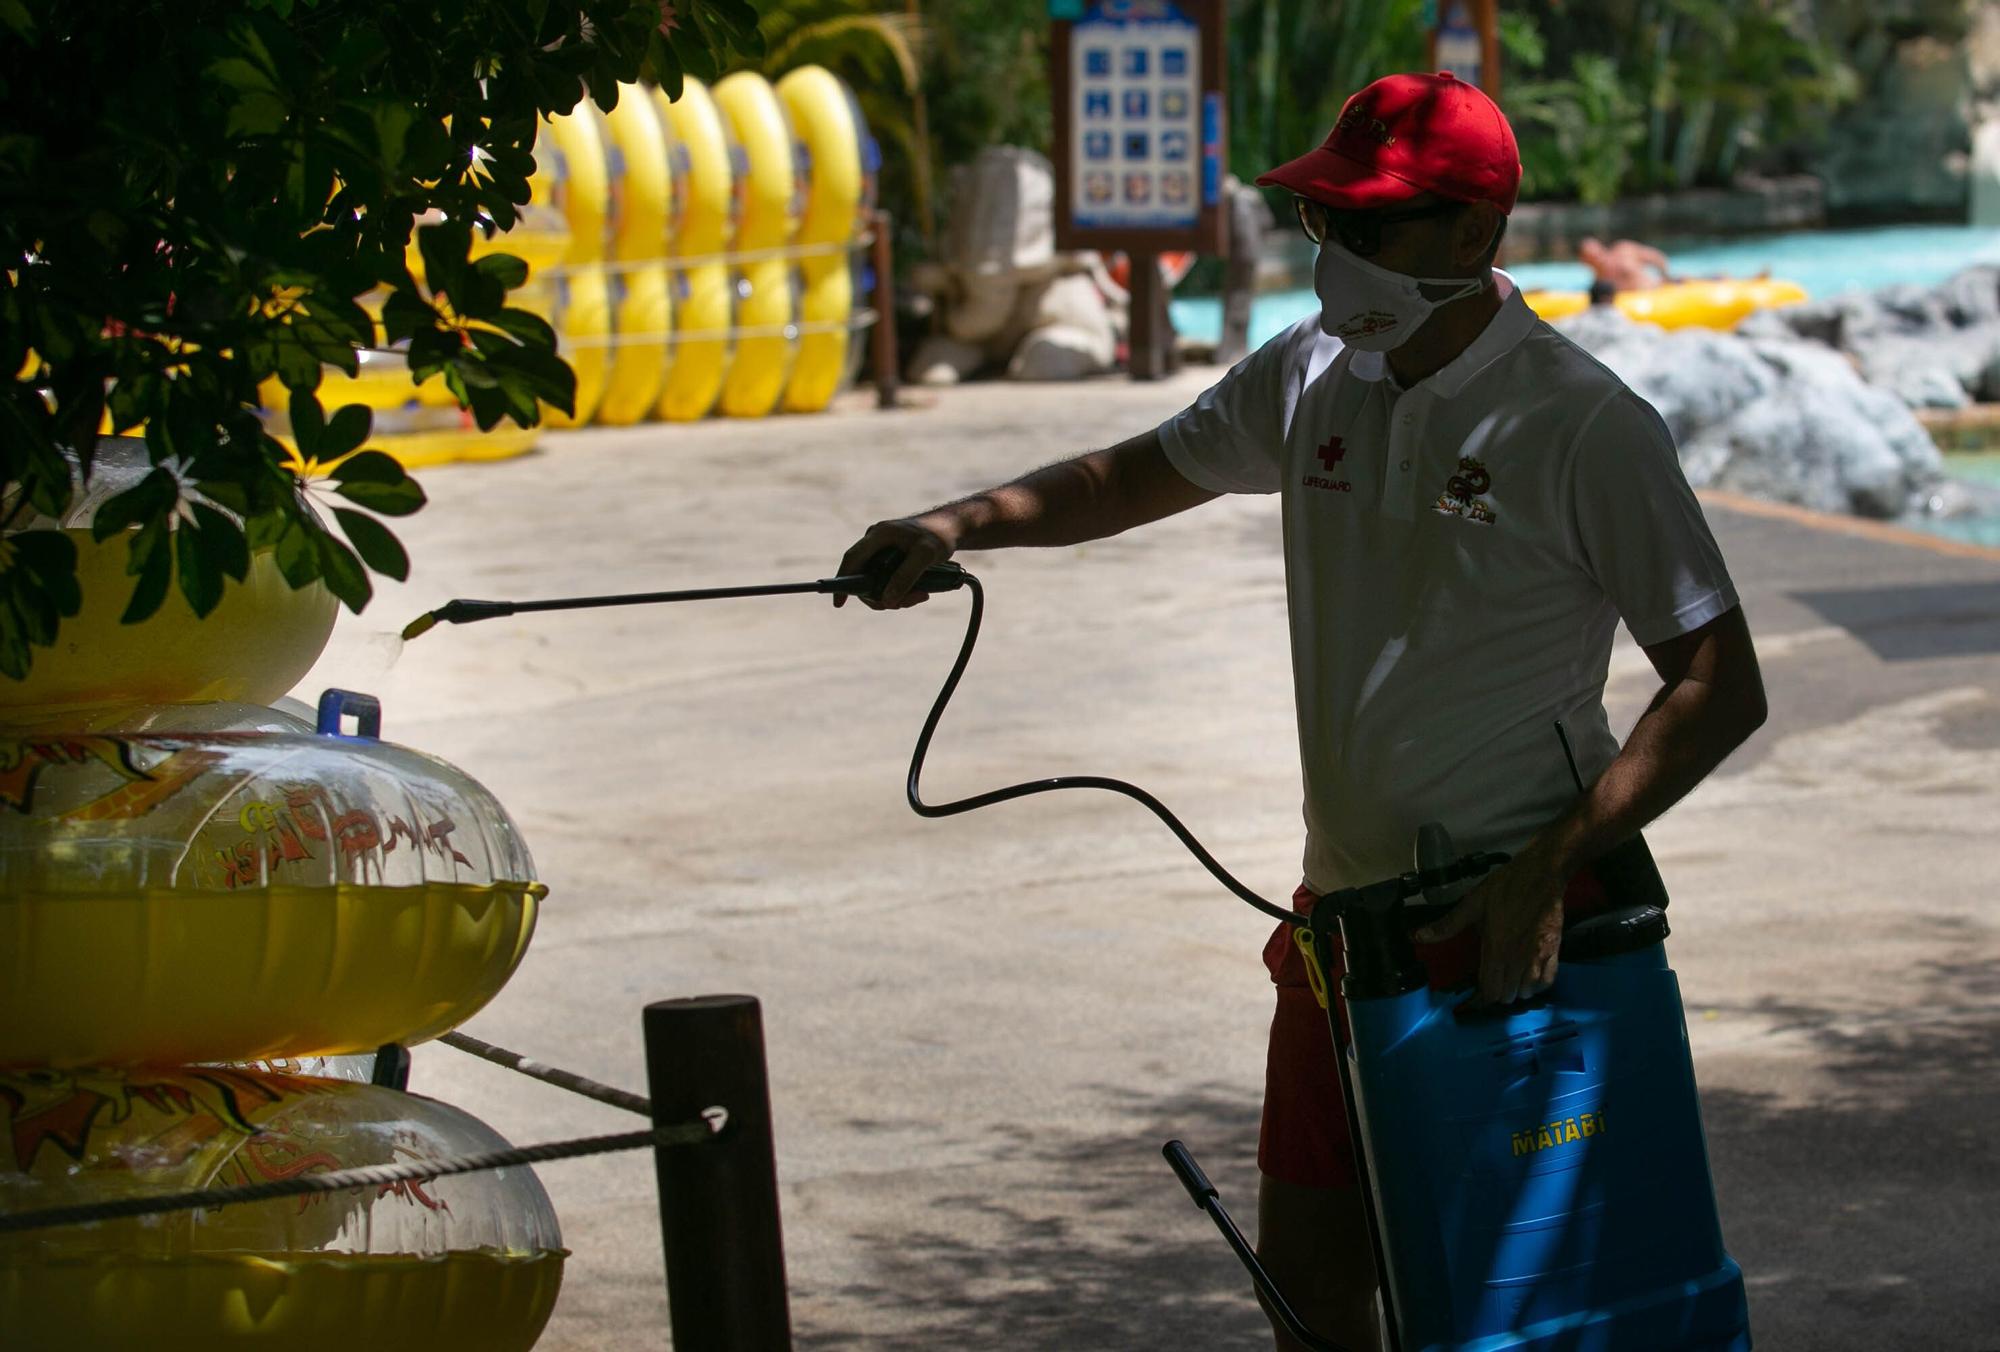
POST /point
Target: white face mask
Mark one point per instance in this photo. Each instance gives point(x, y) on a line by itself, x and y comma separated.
point(1373, 308)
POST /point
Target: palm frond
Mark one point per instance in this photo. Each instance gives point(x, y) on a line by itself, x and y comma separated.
point(902, 35)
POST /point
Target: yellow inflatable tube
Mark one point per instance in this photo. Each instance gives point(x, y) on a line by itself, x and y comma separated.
point(762, 363)
point(573, 169)
point(462, 1263)
point(641, 144)
point(703, 298)
point(254, 646)
point(1680, 305)
point(841, 191)
point(167, 976)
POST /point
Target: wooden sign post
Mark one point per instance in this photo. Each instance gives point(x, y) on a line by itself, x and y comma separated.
point(1141, 143)
point(1465, 40)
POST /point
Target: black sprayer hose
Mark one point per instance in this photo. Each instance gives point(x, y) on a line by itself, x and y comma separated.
point(940, 577)
point(1159, 809)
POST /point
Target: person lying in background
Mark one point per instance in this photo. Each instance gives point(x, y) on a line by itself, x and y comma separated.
point(1626, 265)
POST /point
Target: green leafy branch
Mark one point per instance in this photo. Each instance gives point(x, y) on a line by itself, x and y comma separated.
point(235, 195)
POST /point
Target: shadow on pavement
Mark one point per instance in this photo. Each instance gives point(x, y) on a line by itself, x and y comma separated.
point(1911, 623)
point(1096, 1246)
point(1869, 1217)
point(1866, 1214)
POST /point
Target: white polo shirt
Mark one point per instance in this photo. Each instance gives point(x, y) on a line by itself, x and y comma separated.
point(1457, 558)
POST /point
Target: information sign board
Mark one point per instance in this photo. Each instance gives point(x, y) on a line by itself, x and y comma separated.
point(1141, 138)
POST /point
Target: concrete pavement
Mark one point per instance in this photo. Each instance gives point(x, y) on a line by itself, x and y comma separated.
point(982, 1029)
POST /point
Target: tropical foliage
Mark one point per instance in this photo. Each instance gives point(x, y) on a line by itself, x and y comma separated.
point(1292, 63)
point(1578, 132)
point(880, 54)
point(1663, 94)
point(194, 197)
point(987, 74)
point(938, 81)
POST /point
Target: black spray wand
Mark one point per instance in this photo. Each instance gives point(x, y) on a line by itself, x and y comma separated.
point(937, 578)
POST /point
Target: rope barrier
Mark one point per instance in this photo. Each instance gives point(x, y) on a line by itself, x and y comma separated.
point(860, 319)
point(714, 1122)
point(555, 1075)
point(730, 258)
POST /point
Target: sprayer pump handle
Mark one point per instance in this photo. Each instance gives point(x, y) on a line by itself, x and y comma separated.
point(939, 577)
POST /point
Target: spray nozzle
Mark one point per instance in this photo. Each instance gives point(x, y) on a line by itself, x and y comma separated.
point(456, 612)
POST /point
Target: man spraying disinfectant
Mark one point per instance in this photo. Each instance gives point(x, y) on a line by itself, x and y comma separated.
point(1471, 505)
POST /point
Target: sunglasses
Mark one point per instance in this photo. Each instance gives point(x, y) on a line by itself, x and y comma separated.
point(1358, 232)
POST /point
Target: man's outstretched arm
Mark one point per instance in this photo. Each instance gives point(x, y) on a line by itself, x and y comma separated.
point(1088, 497)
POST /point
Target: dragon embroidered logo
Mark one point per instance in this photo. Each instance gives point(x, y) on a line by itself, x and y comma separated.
point(1461, 497)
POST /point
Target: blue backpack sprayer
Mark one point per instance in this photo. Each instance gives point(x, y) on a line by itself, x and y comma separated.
point(1536, 1176)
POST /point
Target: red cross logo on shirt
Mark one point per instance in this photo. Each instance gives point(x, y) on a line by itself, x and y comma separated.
point(1332, 453)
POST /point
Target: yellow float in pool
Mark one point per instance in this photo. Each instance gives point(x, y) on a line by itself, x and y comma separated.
point(643, 160)
point(573, 168)
point(765, 300)
point(223, 895)
point(1679, 305)
point(254, 646)
point(703, 297)
point(465, 1263)
point(839, 199)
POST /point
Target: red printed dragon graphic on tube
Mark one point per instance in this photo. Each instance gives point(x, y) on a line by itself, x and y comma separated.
point(243, 1122)
point(290, 823)
point(139, 789)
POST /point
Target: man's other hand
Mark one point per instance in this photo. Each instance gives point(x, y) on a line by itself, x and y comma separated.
point(923, 541)
point(1521, 906)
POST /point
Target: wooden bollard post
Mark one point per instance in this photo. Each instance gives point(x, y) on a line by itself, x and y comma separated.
point(718, 1199)
point(883, 340)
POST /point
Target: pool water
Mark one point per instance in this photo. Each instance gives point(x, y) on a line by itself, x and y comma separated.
point(1977, 467)
point(1824, 262)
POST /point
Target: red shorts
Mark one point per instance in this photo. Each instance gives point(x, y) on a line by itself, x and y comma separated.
point(1304, 1136)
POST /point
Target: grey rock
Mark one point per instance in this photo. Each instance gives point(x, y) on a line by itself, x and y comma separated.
point(1793, 448)
point(1599, 328)
point(1781, 322)
point(1921, 374)
point(1972, 296)
point(1933, 347)
point(1808, 361)
point(1773, 416)
point(1910, 309)
point(1941, 369)
point(1835, 321)
point(1694, 377)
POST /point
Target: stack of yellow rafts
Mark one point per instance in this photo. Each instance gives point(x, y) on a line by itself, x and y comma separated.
point(694, 256)
point(191, 882)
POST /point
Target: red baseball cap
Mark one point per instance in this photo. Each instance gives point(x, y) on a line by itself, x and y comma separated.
point(1405, 135)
